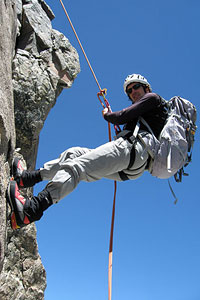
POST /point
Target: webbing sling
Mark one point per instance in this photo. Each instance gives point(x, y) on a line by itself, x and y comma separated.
point(117, 129)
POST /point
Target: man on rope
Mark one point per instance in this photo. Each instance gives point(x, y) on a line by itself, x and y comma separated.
point(127, 157)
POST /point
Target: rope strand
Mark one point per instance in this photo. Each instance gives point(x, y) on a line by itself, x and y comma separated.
point(101, 93)
point(93, 73)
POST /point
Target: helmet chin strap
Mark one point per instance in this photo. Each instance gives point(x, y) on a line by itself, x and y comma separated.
point(145, 88)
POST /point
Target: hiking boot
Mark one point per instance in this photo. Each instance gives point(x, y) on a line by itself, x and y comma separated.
point(23, 177)
point(17, 169)
point(17, 202)
point(25, 210)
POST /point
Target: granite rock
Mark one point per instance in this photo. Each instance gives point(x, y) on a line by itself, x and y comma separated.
point(36, 63)
point(45, 62)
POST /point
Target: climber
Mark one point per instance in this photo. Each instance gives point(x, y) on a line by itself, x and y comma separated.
point(124, 158)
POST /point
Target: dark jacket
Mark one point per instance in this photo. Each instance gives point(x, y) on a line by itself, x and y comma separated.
point(151, 107)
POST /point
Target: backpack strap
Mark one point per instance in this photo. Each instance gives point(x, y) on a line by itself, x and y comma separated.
point(136, 134)
point(142, 140)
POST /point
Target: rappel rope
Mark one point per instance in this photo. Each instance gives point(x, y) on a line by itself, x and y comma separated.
point(100, 94)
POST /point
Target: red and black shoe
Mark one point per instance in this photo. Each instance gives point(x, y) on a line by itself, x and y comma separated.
point(17, 202)
point(23, 177)
point(17, 170)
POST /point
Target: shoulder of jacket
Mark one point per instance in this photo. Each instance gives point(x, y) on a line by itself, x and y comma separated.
point(152, 96)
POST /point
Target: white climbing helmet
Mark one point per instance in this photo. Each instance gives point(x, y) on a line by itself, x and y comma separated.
point(136, 78)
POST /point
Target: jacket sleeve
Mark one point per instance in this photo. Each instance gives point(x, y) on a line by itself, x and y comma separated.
point(148, 102)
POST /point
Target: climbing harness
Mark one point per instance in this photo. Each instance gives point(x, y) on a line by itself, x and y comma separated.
point(101, 93)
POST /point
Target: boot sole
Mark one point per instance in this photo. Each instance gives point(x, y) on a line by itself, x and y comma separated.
point(8, 197)
point(13, 220)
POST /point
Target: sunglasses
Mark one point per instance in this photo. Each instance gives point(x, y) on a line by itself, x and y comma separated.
point(134, 87)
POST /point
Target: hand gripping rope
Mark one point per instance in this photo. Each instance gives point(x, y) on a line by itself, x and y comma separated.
point(101, 93)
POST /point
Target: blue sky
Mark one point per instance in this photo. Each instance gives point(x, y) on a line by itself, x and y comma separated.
point(156, 244)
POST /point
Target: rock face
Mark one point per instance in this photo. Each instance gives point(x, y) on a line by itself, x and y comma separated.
point(7, 123)
point(36, 63)
point(44, 64)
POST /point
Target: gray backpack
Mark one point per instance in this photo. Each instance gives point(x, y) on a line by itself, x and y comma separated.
point(173, 149)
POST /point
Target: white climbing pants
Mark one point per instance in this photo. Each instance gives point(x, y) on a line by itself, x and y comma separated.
point(82, 164)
